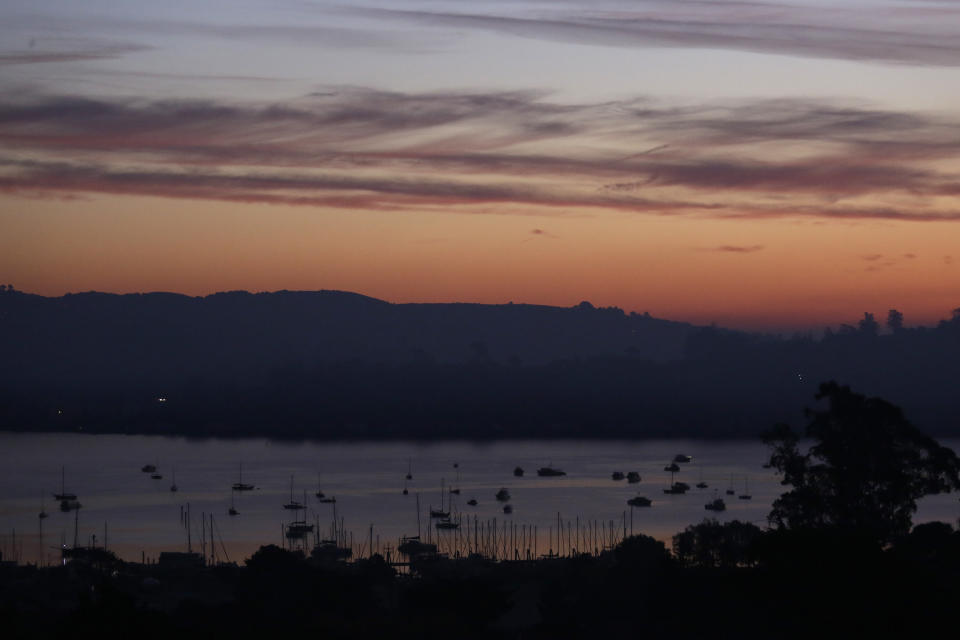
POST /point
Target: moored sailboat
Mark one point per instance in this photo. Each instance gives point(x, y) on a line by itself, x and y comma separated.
point(239, 485)
point(293, 504)
point(440, 513)
point(64, 495)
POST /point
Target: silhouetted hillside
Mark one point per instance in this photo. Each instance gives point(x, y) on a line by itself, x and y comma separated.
point(339, 365)
point(161, 338)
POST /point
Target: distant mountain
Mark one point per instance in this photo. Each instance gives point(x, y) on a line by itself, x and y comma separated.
point(103, 338)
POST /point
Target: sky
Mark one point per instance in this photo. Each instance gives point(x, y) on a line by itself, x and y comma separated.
point(761, 165)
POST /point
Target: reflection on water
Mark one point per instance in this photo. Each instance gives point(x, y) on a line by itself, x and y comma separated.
point(141, 516)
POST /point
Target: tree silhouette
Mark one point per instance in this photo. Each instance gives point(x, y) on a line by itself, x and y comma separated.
point(868, 326)
point(715, 544)
point(865, 471)
point(894, 320)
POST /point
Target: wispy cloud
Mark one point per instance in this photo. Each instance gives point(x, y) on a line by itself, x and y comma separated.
point(542, 233)
point(356, 148)
point(918, 35)
point(732, 248)
point(95, 52)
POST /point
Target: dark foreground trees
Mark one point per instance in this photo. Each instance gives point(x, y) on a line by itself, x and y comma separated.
point(864, 472)
point(713, 544)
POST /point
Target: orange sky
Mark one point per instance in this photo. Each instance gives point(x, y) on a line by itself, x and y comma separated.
point(777, 166)
point(788, 273)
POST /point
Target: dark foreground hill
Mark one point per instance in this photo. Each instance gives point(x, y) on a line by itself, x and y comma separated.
point(775, 586)
point(332, 364)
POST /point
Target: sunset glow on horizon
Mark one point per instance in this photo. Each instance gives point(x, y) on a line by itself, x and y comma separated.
point(777, 166)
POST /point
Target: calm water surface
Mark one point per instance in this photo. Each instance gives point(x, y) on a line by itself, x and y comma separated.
point(142, 515)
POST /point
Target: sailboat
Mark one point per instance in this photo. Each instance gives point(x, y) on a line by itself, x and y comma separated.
point(730, 490)
point(456, 490)
point(293, 504)
point(63, 495)
point(156, 475)
point(43, 512)
point(412, 545)
point(232, 511)
point(409, 469)
point(676, 488)
point(173, 487)
point(701, 484)
point(405, 491)
point(239, 485)
point(440, 513)
point(299, 528)
point(319, 492)
point(746, 491)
